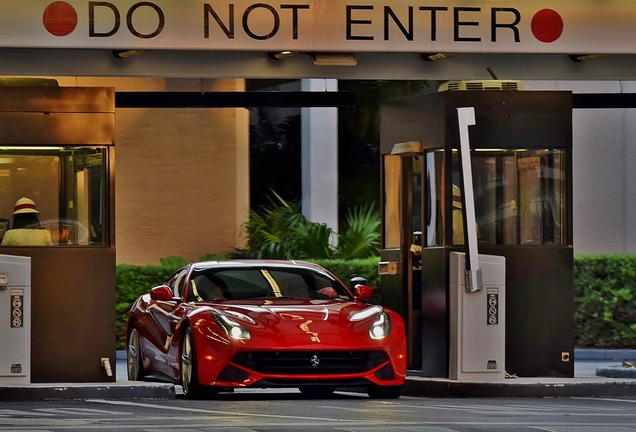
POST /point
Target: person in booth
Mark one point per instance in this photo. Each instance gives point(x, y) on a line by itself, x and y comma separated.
point(26, 229)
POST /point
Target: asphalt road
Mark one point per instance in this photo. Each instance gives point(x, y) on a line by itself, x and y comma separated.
point(267, 411)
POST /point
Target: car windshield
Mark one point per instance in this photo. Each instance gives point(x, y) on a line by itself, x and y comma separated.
point(263, 282)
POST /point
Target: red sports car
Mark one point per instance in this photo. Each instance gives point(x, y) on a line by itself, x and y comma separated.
point(221, 325)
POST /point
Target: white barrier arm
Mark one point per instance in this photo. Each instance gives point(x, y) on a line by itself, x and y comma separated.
point(466, 117)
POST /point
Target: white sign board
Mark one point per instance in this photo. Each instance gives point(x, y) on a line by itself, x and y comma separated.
point(424, 26)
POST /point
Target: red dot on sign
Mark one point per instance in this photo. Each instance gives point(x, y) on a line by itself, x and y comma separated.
point(60, 19)
point(547, 25)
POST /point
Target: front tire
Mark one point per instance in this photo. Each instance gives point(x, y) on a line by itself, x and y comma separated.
point(380, 392)
point(189, 372)
point(135, 367)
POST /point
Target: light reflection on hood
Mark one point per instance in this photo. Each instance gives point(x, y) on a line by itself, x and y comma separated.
point(365, 313)
point(293, 312)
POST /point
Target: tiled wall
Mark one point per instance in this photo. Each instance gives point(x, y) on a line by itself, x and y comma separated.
point(181, 175)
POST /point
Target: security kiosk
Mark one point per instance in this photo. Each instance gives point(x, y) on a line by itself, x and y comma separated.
point(15, 320)
point(58, 149)
point(520, 153)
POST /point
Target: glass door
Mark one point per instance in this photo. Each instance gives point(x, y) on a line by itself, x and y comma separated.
point(400, 267)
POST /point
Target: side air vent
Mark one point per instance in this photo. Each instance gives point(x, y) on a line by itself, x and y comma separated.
point(512, 85)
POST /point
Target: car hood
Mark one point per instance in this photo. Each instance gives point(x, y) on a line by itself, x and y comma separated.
point(298, 322)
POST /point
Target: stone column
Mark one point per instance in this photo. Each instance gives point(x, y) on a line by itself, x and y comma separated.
point(320, 157)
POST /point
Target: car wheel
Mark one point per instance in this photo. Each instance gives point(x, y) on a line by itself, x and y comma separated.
point(133, 357)
point(379, 392)
point(317, 392)
point(189, 374)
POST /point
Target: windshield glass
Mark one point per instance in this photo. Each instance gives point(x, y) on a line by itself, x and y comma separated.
point(264, 282)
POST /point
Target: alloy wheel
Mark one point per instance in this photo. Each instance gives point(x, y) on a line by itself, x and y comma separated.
point(134, 355)
point(186, 362)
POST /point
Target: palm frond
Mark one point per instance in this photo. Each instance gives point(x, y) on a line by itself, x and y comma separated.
point(361, 237)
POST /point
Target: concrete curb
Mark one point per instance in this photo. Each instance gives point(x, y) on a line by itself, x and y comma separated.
point(616, 381)
point(616, 372)
point(422, 387)
point(594, 354)
point(44, 392)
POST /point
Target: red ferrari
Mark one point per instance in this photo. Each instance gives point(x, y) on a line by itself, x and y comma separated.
point(222, 325)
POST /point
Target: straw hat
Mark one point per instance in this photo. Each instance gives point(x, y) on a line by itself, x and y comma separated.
point(25, 205)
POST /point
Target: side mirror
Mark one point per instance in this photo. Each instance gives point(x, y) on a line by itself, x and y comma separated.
point(355, 281)
point(161, 293)
point(362, 292)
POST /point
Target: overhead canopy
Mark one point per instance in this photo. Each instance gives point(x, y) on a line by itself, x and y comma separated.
point(456, 26)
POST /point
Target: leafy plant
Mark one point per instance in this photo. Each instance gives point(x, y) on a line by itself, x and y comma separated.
point(281, 231)
point(361, 238)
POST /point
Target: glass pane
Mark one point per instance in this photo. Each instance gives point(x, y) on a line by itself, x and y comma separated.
point(530, 199)
point(541, 192)
point(508, 215)
point(519, 197)
point(392, 190)
point(434, 206)
point(67, 189)
point(486, 188)
point(416, 194)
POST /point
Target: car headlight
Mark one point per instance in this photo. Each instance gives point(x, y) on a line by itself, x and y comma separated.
point(381, 327)
point(231, 328)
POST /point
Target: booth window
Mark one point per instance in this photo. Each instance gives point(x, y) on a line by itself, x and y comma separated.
point(392, 189)
point(433, 199)
point(519, 196)
point(68, 186)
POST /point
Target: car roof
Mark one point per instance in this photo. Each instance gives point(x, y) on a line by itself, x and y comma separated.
point(245, 263)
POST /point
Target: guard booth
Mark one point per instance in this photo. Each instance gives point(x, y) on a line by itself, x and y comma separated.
point(521, 158)
point(57, 149)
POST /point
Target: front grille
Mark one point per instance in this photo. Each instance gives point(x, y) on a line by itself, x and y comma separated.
point(356, 382)
point(310, 362)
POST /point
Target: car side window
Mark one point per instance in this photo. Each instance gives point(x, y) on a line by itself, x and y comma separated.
point(177, 282)
point(330, 288)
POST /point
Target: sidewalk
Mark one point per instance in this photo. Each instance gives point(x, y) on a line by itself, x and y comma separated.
point(596, 373)
point(590, 379)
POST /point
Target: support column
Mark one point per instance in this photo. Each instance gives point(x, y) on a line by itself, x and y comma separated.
point(320, 157)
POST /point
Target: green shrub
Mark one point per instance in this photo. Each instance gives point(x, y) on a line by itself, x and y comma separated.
point(604, 293)
point(173, 262)
point(347, 269)
point(605, 301)
point(133, 281)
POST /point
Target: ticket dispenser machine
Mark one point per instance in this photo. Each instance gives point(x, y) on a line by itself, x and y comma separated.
point(521, 154)
point(15, 320)
point(478, 320)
